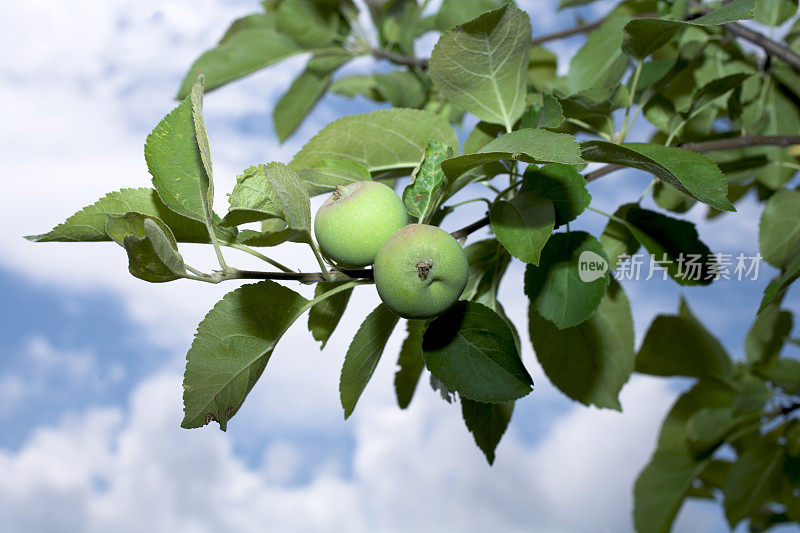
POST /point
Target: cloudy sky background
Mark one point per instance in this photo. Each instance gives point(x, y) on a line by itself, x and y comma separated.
point(92, 358)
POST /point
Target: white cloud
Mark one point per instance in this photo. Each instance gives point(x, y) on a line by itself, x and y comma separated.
point(132, 469)
point(41, 372)
point(13, 390)
point(46, 359)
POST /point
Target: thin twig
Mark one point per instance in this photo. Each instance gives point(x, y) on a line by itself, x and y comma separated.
point(602, 171)
point(317, 277)
point(302, 277)
point(772, 48)
point(306, 277)
point(422, 63)
point(580, 28)
point(741, 142)
point(400, 59)
point(462, 234)
point(256, 253)
point(784, 410)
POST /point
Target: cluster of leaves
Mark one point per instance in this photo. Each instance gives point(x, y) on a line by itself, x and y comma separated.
point(732, 436)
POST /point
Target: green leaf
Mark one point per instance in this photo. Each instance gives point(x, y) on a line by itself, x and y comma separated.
point(779, 229)
point(175, 161)
point(310, 24)
point(250, 44)
point(715, 473)
point(481, 135)
point(482, 66)
point(398, 24)
point(715, 89)
point(410, 363)
point(89, 224)
point(562, 184)
point(617, 239)
point(231, 348)
point(705, 394)
point(774, 12)
point(253, 198)
point(326, 174)
point(654, 71)
point(152, 250)
point(487, 422)
point(555, 286)
point(530, 146)
point(523, 225)
point(673, 242)
point(646, 35)
point(363, 355)
point(792, 434)
point(386, 139)
point(594, 107)
point(687, 171)
point(542, 67)
point(707, 428)
point(679, 345)
point(547, 114)
point(642, 37)
point(589, 362)
point(488, 261)
point(481, 173)
point(783, 373)
point(119, 227)
point(422, 195)
point(767, 335)
point(780, 284)
point(594, 103)
point(401, 88)
point(664, 483)
point(661, 488)
point(777, 115)
point(671, 199)
point(728, 12)
point(752, 395)
point(471, 349)
point(325, 315)
point(455, 12)
point(357, 85)
point(273, 232)
point(201, 136)
point(600, 62)
point(269, 191)
point(752, 478)
point(305, 91)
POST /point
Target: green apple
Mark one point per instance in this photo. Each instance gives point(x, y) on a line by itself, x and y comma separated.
point(356, 220)
point(420, 271)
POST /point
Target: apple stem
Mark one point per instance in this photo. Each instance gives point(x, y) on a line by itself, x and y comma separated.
point(462, 234)
point(340, 192)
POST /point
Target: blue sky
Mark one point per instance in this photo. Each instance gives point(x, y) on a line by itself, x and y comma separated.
point(92, 358)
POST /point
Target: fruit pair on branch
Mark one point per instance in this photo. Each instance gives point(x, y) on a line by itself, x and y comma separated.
point(420, 270)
